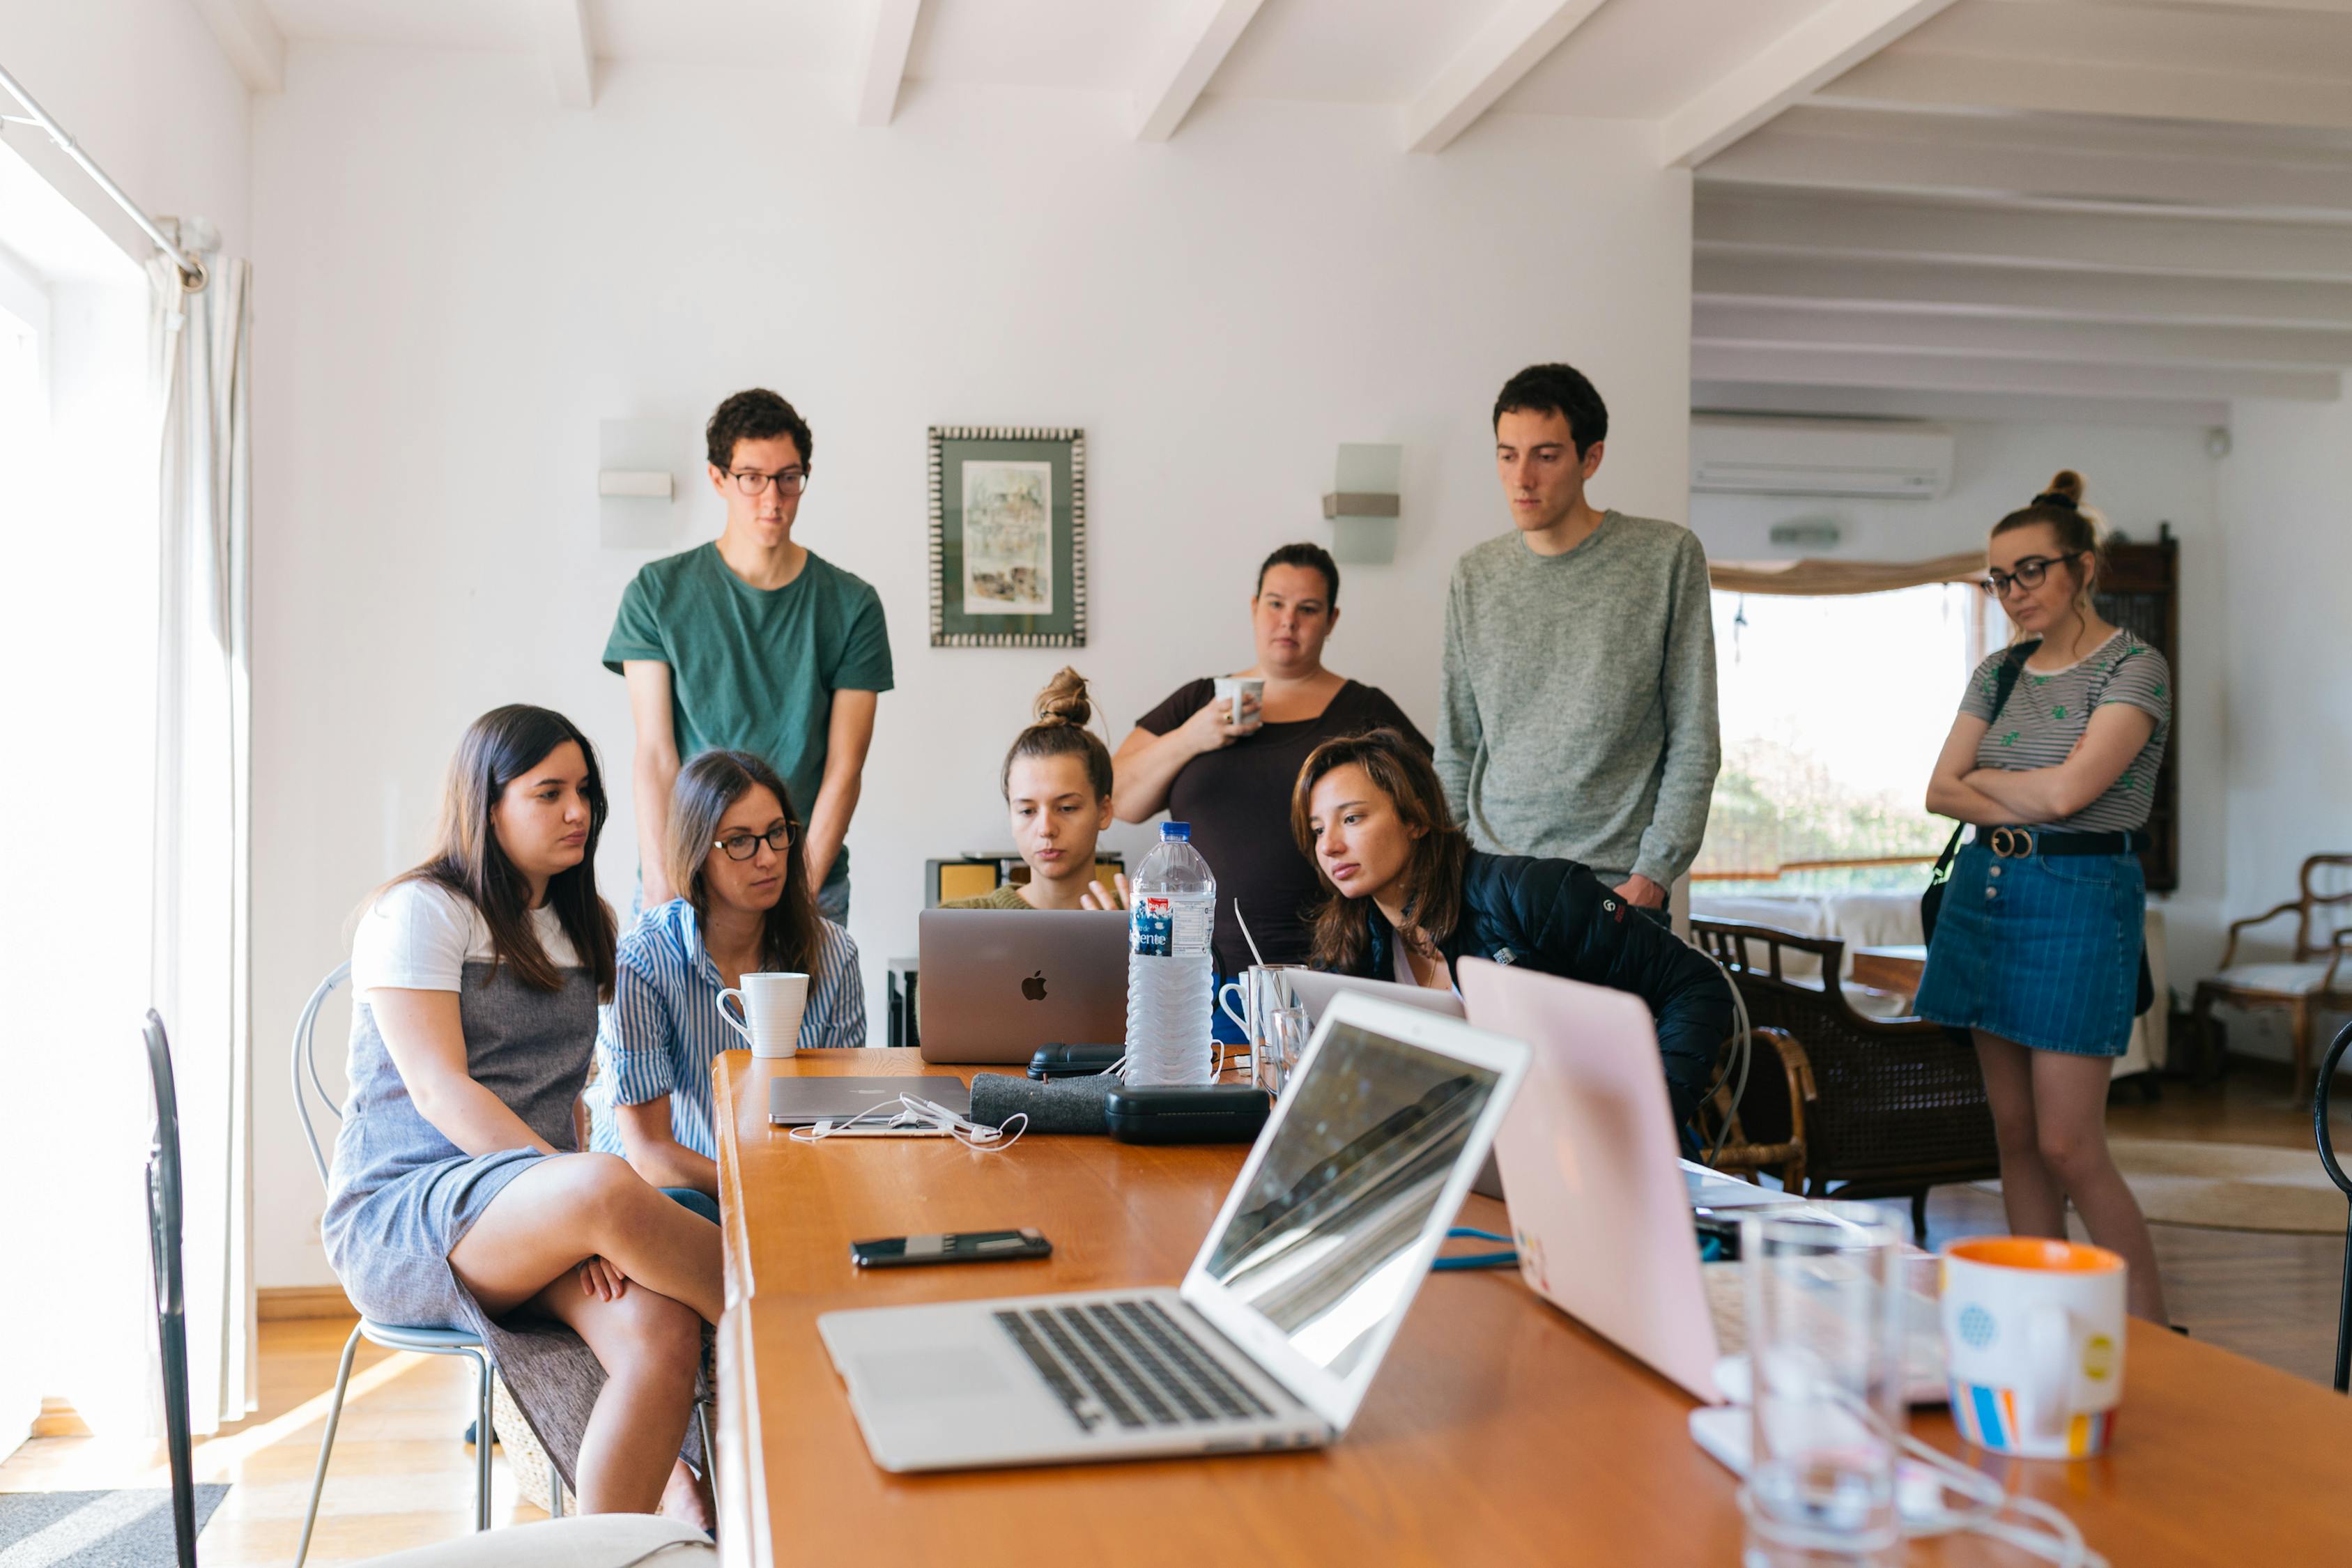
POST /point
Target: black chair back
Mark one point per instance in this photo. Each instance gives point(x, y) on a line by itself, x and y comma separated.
point(2335, 1174)
point(171, 1314)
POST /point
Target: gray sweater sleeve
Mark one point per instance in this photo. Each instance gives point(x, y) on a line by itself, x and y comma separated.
point(1693, 746)
point(1458, 734)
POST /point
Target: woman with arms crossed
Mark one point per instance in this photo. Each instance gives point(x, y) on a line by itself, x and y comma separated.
point(456, 1199)
point(1408, 898)
point(748, 908)
point(2037, 943)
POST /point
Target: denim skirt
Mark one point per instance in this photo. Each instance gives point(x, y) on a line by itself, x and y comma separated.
point(2043, 951)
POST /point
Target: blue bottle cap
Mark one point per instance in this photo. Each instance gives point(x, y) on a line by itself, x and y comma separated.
point(1182, 832)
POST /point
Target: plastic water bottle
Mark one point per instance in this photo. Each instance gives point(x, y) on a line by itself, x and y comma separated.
point(1168, 962)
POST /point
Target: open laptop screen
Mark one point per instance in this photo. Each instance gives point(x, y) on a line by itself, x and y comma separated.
point(1322, 1242)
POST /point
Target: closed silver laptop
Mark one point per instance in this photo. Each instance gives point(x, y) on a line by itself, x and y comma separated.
point(996, 985)
point(1281, 1323)
point(805, 1102)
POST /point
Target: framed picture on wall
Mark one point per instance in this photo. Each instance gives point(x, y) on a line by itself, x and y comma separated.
point(1008, 536)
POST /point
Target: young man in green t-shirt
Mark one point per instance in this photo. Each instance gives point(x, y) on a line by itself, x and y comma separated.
point(756, 644)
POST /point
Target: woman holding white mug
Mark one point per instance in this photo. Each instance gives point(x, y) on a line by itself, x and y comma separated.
point(1226, 764)
point(748, 910)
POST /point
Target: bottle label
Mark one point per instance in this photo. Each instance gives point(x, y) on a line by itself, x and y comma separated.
point(1151, 926)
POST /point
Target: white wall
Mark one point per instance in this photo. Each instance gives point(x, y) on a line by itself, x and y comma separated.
point(2288, 741)
point(2138, 476)
point(145, 90)
point(456, 283)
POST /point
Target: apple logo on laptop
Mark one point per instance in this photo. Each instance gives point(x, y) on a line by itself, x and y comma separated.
point(1034, 987)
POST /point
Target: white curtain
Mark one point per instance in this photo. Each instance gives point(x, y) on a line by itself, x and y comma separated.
point(202, 926)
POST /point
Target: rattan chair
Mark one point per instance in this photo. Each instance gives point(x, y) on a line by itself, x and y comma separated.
point(2317, 978)
point(1764, 1130)
point(1895, 1107)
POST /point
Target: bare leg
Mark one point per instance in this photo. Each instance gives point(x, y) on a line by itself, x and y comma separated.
point(2070, 1099)
point(2030, 1195)
point(651, 1347)
point(688, 1499)
point(571, 1207)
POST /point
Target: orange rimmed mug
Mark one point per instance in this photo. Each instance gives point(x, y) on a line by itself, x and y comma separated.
point(2034, 1344)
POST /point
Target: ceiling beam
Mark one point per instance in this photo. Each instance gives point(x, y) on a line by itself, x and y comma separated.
point(1178, 77)
point(1910, 402)
point(882, 64)
point(571, 52)
point(1817, 50)
point(2063, 86)
point(250, 39)
point(1761, 325)
point(1942, 372)
point(1508, 46)
point(1730, 222)
point(1989, 158)
point(2020, 291)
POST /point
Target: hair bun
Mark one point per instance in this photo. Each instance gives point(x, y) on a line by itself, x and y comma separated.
point(2065, 489)
point(1065, 700)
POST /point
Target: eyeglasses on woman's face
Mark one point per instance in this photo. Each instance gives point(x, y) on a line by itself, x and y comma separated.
point(744, 845)
point(2027, 574)
point(752, 483)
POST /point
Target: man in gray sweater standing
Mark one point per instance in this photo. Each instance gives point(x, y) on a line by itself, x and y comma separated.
point(1579, 716)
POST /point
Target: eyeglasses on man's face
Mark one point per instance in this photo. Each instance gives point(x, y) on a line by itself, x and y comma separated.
point(752, 483)
point(744, 845)
point(2028, 575)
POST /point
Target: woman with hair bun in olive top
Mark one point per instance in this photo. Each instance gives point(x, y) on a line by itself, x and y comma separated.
point(2037, 943)
point(1057, 786)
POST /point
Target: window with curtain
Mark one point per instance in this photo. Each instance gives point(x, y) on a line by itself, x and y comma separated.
point(1833, 708)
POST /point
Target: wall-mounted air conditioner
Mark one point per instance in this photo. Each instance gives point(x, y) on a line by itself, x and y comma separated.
point(1878, 460)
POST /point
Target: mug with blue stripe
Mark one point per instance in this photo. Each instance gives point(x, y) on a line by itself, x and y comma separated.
point(2033, 1344)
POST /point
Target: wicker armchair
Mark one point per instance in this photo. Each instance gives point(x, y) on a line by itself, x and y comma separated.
point(1896, 1106)
point(1764, 1130)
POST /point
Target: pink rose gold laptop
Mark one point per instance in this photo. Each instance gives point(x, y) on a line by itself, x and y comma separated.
point(1599, 1207)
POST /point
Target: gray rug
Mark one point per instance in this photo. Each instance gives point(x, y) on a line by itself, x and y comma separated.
point(94, 1529)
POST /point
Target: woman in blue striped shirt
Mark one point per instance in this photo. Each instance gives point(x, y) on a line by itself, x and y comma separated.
point(748, 908)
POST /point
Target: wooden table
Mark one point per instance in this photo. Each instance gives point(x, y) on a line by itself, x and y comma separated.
point(1498, 1431)
point(1895, 969)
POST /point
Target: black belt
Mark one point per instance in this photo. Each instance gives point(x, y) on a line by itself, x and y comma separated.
point(2017, 843)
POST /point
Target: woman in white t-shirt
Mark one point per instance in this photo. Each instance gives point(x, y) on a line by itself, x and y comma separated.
point(457, 1197)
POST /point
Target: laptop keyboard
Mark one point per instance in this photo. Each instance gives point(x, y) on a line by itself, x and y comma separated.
point(1129, 1362)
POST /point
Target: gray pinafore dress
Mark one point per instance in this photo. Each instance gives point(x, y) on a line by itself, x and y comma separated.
point(401, 1195)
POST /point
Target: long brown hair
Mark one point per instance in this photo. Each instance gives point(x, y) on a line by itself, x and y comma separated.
point(1432, 872)
point(791, 936)
point(501, 746)
point(2074, 525)
point(1062, 710)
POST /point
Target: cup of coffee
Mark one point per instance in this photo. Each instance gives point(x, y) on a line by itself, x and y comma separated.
point(2033, 1341)
point(1255, 992)
point(1232, 689)
point(772, 1005)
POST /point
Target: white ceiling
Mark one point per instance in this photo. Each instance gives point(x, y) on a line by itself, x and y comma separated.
point(2116, 209)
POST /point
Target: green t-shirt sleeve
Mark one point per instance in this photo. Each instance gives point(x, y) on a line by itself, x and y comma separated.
point(866, 651)
point(637, 630)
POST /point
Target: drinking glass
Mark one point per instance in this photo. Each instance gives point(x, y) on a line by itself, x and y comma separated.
point(1825, 1299)
point(1286, 1030)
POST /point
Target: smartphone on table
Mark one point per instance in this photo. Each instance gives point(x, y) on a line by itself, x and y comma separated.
point(965, 1247)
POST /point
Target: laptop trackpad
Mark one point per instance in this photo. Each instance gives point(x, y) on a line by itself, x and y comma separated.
point(931, 1374)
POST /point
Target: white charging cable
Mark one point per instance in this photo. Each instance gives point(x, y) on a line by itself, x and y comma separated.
point(908, 1115)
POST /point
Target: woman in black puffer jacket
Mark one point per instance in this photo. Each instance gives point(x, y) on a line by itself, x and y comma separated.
point(1369, 813)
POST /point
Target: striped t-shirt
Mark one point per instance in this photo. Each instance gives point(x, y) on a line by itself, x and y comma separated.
point(663, 1030)
point(2049, 710)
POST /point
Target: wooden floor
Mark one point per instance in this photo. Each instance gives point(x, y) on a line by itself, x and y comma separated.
point(402, 1476)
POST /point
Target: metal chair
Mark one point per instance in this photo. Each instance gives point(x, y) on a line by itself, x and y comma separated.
point(610, 1541)
point(2335, 1174)
point(390, 1336)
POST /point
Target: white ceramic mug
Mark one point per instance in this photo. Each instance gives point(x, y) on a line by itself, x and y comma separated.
point(2033, 1343)
point(1232, 689)
point(1256, 991)
point(773, 1004)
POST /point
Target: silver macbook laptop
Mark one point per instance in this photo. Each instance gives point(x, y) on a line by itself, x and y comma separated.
point(998, 983)
point(1284, 1317)
point(805, 1102)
